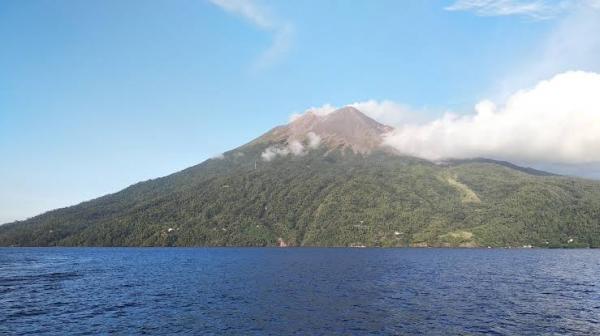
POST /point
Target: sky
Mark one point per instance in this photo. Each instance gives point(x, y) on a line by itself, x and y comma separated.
point(97, 95)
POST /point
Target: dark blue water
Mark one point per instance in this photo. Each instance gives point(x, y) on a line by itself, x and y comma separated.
point(299, 291)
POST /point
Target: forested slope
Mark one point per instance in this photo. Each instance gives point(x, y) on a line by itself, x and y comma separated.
point(330, 198)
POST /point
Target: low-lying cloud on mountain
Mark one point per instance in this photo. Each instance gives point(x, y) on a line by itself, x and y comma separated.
point(294, 147)
point(556, 121)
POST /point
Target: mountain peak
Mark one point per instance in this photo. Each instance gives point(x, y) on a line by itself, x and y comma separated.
point(346, 127)
point(349, 111)
point(346, 112)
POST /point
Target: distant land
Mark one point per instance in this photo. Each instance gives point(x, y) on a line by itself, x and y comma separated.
point(328, 180)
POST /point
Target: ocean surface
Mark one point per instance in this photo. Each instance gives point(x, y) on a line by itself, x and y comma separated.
point(304, 291)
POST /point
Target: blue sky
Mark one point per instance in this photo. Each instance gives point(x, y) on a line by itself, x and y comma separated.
point(97, 95)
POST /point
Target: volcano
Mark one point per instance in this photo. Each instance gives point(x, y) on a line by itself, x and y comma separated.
point(329, 180)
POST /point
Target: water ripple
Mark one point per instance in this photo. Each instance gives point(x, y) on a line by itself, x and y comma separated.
point(59, 291)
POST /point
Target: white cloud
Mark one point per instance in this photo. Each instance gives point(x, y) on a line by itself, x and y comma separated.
point(247, 9)
point(538, 9)
point(385, 111)
point(273, 151)
point(556, 121)
point(261, 17)
point(313, 140)
point(296, 148)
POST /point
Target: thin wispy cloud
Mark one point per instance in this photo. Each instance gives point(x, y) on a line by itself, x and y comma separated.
point(573, 43)
point(262, 18)
point(534, 9)
point(248, 10)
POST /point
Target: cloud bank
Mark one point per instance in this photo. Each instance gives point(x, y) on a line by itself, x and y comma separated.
point(558, 120)
point(262, 19)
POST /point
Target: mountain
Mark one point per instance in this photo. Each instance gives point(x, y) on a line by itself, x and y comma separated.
point(327, 180)
point(346, 128)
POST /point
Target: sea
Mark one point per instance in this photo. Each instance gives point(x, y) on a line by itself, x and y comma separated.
point(299, 291)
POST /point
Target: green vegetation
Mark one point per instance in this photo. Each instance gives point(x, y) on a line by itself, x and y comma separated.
point(333, 198)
